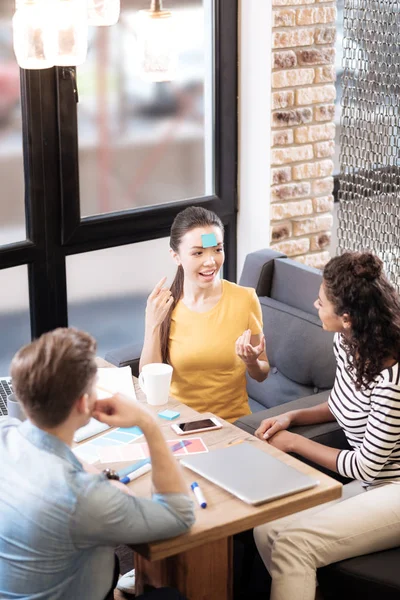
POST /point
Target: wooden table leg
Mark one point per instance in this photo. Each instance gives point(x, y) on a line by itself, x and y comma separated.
point(204, 573)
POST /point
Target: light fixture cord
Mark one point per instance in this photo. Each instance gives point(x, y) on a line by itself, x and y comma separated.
point(156, 6)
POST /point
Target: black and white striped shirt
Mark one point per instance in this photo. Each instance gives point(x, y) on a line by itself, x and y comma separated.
point(370, 419)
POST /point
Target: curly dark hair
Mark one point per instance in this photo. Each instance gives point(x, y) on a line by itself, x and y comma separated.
point(356, 285)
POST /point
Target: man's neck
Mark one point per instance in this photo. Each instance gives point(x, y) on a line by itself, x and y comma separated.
point(64, 432)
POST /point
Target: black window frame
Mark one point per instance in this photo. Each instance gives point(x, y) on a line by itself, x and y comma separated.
point(54, 225)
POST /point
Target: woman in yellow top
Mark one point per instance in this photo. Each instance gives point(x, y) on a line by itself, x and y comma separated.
point(208, 329)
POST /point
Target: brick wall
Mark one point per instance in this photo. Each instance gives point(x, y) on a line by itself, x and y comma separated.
point(303, 94)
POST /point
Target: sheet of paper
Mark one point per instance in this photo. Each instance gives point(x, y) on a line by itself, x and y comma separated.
point(101, 447)
point(130, 453)
point(194, 446)
point(115, 380)
point(133, 452)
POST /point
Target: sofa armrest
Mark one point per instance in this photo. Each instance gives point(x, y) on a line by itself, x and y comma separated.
point(258, 270)
point(126, 356)
point(251, 422)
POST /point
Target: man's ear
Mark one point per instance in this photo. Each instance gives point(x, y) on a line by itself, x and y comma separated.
point(175, 256)
point(82, 405)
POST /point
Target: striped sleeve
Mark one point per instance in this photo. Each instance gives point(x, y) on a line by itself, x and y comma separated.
point(382, 435)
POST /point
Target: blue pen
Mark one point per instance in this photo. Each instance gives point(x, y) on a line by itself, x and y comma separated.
point(125, 474)
point(199, 494)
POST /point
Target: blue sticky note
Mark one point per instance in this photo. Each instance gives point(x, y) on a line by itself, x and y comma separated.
point(169, 414)
point(120, 436)
point(135, 430)
point(208, 240)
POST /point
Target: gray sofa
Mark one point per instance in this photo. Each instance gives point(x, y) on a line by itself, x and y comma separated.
point(299, 350)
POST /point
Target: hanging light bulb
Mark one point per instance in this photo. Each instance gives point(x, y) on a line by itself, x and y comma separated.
point(103, 12)
point(157, 52)
point(71, 26)
point(33, 35)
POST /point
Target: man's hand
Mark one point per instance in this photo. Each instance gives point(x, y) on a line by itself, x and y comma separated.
point(284, 440)
point(122, 411)
point(245, 351)
point(270, 427)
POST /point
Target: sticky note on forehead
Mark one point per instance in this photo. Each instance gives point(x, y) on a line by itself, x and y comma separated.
point(208, 240)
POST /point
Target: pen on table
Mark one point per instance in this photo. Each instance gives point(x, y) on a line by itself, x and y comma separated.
point(199, 494)
point(141, 470)
point(130, 473)
point(234, 442)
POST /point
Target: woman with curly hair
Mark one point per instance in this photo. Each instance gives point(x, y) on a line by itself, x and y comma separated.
point(358, 303)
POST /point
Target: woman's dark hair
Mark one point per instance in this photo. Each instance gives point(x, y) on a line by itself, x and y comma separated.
point(356, 285)
point(188, 219)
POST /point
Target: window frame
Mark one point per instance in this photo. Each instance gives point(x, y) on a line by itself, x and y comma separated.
point(54, 225)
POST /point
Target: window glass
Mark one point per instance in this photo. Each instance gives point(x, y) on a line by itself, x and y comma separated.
point(12, 214)
point(143, 143)
point(14, 314)
point(108, 289)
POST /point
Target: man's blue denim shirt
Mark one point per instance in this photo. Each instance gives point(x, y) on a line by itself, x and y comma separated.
point(59, 525)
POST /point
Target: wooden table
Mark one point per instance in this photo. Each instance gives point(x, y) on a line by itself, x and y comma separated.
point(199, 563)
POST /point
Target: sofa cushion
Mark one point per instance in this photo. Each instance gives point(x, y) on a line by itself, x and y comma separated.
point(300, 353)
point(126, 356)
point(370, 577)
point(295, 286)
point(276, 390)
point(297, 345)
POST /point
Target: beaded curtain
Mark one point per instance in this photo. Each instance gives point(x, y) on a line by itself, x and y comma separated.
point(369, 208)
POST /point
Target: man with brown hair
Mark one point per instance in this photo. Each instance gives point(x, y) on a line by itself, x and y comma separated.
point(59, 524)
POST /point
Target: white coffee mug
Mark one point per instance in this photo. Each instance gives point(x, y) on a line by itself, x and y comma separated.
point(14, 408)
point(155, 380)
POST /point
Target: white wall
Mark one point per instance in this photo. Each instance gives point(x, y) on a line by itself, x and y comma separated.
point(255, 33)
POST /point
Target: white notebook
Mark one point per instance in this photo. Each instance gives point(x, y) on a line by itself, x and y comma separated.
point(110, 380)
point(115, 380)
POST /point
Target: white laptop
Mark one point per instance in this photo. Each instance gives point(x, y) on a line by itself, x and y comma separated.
point(249, 473)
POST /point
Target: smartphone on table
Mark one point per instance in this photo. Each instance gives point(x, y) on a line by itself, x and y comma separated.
point(186, 427)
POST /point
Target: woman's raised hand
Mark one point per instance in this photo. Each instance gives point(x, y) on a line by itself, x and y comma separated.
point(248, 353)
point(158, 304)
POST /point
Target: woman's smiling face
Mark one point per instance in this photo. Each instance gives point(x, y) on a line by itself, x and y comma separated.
point(200, 265)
